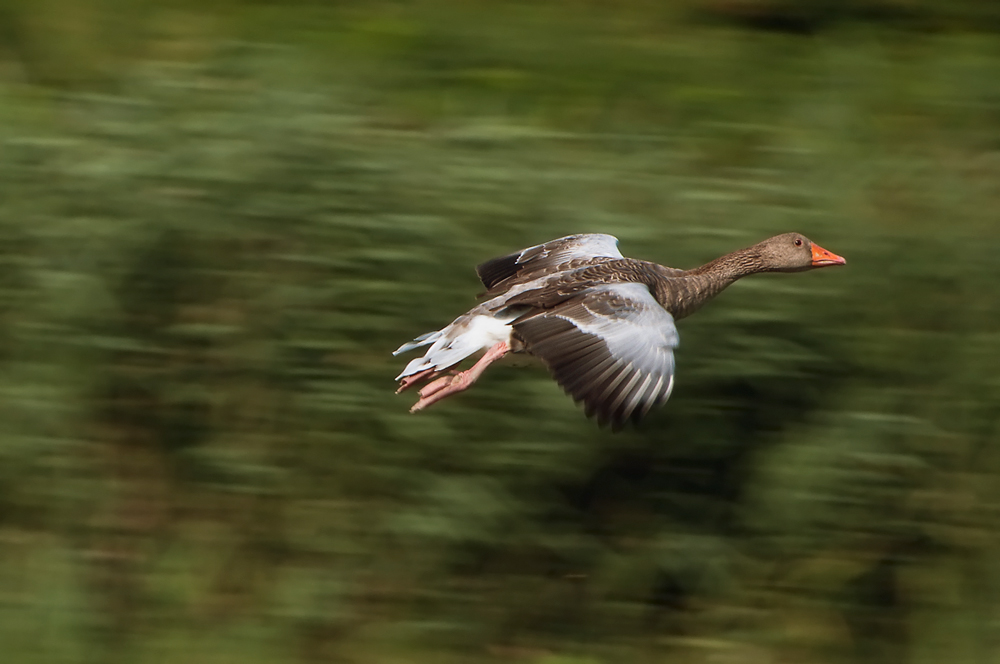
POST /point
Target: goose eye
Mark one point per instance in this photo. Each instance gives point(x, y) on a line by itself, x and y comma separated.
point(798, 243)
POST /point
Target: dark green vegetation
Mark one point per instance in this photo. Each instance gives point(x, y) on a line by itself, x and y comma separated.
point(217, 221)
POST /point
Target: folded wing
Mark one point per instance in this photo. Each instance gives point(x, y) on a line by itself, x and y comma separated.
point(610, 347)
point(498, 273)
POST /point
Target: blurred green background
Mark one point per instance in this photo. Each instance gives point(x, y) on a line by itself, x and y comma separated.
point(218, 219)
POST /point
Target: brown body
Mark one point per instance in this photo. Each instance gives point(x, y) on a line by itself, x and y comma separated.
point(603, 324)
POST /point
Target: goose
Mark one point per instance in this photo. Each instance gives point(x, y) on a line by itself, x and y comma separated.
point(603, 324)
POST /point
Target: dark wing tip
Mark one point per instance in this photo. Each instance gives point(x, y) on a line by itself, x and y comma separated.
point(496, 270)
point(572, 357)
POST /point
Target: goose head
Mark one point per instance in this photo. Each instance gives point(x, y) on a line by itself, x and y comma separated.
point(793, 252)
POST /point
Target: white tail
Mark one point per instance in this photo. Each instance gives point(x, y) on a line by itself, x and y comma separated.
point(468, 335)
point(422, 340)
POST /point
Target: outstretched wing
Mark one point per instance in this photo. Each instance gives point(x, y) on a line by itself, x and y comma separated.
point(547, 258)
point(610, 347)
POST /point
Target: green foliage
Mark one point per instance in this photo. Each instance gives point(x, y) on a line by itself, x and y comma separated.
point(210, 249)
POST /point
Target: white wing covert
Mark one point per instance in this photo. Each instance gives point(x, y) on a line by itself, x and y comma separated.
point(611, 348)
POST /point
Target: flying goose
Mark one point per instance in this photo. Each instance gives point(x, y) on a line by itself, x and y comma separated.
point(601, 323)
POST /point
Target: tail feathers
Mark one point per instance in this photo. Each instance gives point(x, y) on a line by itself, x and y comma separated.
point(415, 366)
point(422, 340)
point(466, 336)
point(442, 355)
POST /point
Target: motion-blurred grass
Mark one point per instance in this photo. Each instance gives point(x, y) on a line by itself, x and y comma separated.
point(218, 219)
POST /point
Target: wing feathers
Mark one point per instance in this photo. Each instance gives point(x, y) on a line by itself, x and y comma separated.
point(496, 270)
point(610, 347)
point(547, 258)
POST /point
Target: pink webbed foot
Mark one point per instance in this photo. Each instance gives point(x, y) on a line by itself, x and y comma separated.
point(441, 388)
point(448, 385)
point(409, 381)
point(438, 385)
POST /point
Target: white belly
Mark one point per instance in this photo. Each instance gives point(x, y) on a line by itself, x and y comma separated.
point(488, 330)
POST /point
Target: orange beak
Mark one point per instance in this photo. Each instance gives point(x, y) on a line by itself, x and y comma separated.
point(822, 257)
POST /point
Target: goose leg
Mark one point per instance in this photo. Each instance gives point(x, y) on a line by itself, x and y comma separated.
point(409, 381)
point(448, 385)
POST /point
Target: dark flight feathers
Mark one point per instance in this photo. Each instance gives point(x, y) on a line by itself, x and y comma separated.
point(610, 347)
point(499, 274)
